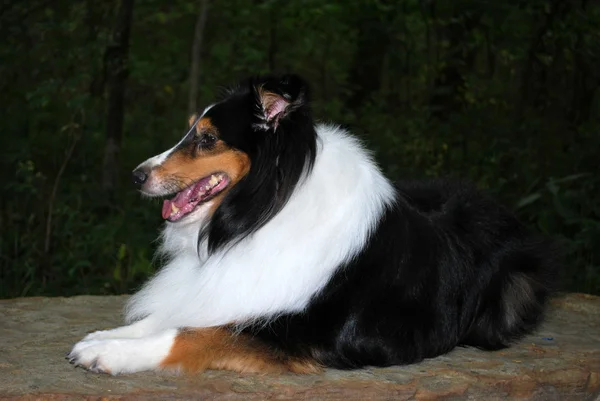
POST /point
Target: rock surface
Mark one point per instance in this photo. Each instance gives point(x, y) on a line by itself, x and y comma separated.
point(559, 362)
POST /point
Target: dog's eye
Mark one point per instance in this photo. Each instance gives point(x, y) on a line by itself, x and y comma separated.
point(207, 141)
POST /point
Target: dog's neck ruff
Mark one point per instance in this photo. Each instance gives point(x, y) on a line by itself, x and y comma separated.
point(279, 268)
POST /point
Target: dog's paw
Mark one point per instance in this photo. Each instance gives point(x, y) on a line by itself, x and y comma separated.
point(100, 335)
point(139, 329)
point(116, 356)
point(99, 356)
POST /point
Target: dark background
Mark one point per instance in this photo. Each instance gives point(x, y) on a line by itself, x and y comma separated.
point(503, 93)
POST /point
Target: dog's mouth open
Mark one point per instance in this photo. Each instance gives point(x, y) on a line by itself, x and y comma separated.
point(186, 200)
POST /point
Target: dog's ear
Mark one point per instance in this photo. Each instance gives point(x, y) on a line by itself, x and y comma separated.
point(278, 97)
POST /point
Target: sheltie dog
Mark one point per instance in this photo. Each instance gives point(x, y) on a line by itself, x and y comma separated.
point(287, 250)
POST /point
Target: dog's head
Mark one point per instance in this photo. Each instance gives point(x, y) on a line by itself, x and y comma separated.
point(238, 148)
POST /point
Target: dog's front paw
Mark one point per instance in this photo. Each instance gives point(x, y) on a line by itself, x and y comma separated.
point(100, 335)
point(99, 356)
point(116, 356)
point(139, 329)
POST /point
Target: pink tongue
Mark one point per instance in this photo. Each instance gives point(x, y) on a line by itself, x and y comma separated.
point(166, 209)
point(183, 199)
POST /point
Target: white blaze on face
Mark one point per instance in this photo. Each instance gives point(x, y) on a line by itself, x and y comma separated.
point(152, 187)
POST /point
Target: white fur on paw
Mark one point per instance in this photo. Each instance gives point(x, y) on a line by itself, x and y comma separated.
point(138, 329)
point(115, 356)
point(100, 335)
point(100, 356)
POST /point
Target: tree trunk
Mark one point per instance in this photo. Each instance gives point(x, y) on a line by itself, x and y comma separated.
point(530, 85)
point(196, 49)
point(93, 20)
point(585, 80)
point(448, 86)
point(116, 61)
point(372, 45)
point(490, 54)
point(274, 18)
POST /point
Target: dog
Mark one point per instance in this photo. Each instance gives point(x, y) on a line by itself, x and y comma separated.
point(287, 250)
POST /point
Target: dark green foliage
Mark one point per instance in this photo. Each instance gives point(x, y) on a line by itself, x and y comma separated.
point(504, 94)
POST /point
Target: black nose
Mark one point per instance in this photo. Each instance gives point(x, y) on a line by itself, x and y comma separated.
point(139, 177)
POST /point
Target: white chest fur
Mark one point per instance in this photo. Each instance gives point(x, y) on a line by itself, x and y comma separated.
point(281, 266)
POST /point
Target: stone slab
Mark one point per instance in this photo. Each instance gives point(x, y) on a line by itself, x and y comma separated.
point(559, 362)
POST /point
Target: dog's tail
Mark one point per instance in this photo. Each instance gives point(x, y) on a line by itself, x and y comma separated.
point(515, 302)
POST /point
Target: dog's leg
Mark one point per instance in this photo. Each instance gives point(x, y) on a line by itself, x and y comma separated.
point(141, 328)
point(195, 350)
point(190, 350)
point(123, 355)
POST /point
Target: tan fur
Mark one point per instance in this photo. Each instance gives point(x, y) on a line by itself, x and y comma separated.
point(188, 165)
point(192, 119)
point(196, 350)
point(204, 125)
point(268, 98)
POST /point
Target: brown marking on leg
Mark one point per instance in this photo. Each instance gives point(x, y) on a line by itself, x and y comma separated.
point(304, 366)
point(195, 350)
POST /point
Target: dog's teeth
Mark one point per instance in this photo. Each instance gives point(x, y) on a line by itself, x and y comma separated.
point(174, 209)
point(213, 180)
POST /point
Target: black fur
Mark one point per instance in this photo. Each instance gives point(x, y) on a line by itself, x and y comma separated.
point(278, 156)
point(446, 266)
